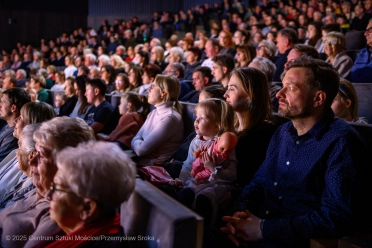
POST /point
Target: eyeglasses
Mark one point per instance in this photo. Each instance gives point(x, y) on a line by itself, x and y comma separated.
point(54, 189)
point(368, 30)
point(333, 42)
point(166, 72)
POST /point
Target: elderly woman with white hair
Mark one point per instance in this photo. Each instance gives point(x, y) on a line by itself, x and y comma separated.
point(23, 187)
point(334, 47)
point(176, 54)
point(30, 216)
point(157, 57)
point(79, 199)
point(266, 49)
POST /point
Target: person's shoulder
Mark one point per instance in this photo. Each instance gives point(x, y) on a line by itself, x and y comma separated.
point(106, 105)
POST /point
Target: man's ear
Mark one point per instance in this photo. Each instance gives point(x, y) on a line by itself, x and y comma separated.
point(206, 81)
point(287, 42)
point(224, 69)
point(96, 92)
point(319, 98)
point(13, 108)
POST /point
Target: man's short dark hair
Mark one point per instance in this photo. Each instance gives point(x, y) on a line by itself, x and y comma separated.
point(215, 43)
point(152, 70)
point(331, 27)
point(225, 60)
point(179, 68)
point(307, 50)
point(290, 34)
point(84, 69)
point(196, 51)
point(205, 72)
point(12, 80)
point(18, 97)
point(324, 76)
point(98, 83)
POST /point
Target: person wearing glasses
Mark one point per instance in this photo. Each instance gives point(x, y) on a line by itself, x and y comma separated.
point(12, 174)
point(334, 46)
point(266, 49)
point(20, 173)
point(362, 68)
point(30, 217)
point(108, 75)
point(81, 208)
point(226, 42)
point(345, 104)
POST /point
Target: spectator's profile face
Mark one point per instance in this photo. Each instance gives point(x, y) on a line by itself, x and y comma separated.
point(238, 38)
point(65, 206)
point(156, 95)
point(145, 78)
point(33, 83)
point(6, 107)
point(368, 34)
point(58, 101)
point(123, 106)
point(19, 75)
point(153, 55)
point(6, 83)
point(191, 58)
point(198, 81)
point(296, 97)
point(132, 77)
point(241, 56)
point(20, 123)
point(77, 90)
point(218, 72)
point(292, 55)
point(341, 106)
point(43, 168)
point(331, 47)
point(209, 52)
point(281, 43)
point(90, 93)
point(173, 58)
point(235, 95)
point(69, 88)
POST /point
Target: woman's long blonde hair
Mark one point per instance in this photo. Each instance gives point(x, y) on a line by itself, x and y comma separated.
point(171, 85)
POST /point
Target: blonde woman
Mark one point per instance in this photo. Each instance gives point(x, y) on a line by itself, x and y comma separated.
point(117, 62)
point(162, 133)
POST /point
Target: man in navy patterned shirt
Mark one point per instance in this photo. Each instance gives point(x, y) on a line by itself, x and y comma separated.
point(310, 184)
